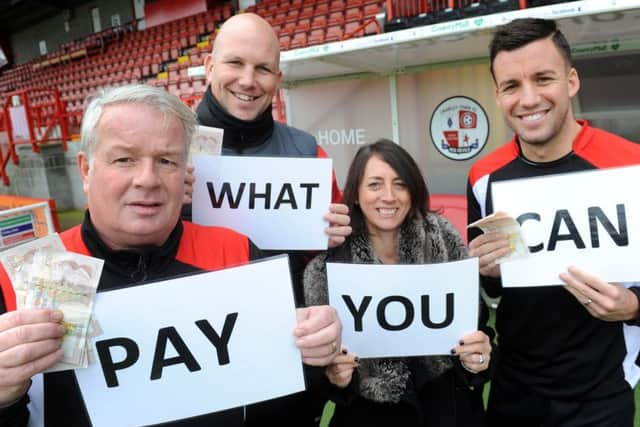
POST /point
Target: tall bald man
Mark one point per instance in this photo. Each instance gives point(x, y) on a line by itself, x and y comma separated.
point(243, 72)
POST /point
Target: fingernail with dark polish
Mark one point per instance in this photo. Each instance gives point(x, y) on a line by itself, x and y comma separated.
point(345, 351)
point(356, 359)
point(453, 351)
point(461, 342)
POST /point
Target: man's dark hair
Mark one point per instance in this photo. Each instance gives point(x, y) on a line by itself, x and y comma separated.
point(521, 32)
point(402, 163)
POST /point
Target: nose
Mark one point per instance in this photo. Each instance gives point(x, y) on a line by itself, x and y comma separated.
point(246, 78)
point(388, 193)
point(529, 95)
point(146, 174)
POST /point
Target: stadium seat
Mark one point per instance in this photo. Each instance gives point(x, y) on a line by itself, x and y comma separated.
point(199, 86)
point(316, 36)
point(285, 42)
point(337, 6)
point(353, 14)
point(303, 26)
point(292, 16)
point(454, 208)
point(306, 12)
point(322, 8)
point(352, 29)
point(334, 33)
point(336, 18)
point(319, 22)
point(299, 40)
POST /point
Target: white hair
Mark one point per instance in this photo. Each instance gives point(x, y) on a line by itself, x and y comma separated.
point(158, 99)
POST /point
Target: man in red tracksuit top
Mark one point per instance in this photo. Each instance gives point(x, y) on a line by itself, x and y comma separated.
point(561, 350)
point(132, 162)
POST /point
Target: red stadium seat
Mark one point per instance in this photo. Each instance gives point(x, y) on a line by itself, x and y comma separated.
point(306, 12)
point(336, 18)
point(337, 6)
point(353, 14)
point(303, 26)
point(319, 22)
point(351, 29)
point(454, 208)
point(334, 33)
point(299, 40)
point(322, 8)
point(199, 86)
point(316, 37)
point(285, 42)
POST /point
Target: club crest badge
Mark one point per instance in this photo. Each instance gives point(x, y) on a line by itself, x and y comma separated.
point(459, 128)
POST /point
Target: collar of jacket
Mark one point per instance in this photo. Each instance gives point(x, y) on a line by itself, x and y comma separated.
point(238, 134)
point(134, 264)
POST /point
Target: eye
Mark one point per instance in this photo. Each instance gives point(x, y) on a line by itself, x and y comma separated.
point(264, 69)
point(400, 184)
point(508, 88)
point(544, 80)
point(374, 185)
point(167, 162)
point(123, 160)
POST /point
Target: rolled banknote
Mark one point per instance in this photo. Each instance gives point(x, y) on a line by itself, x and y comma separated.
point(18, 260)
point(45, 275)
point(500, 222)
point(206, 140)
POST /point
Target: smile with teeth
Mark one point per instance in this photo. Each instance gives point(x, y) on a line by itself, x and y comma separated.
point(533, 117)
point(243, 97)
point(387, 211)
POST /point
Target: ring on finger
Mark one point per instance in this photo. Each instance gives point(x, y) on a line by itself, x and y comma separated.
point(481, 360)
point(588, 301)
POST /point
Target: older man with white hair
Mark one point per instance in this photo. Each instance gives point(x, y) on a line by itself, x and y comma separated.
point(132, 162)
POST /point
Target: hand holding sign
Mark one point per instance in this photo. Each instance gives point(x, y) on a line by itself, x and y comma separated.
point(489, 248)
point(605, 301)
point(339, 228)
point(319, 334)
point(474, 351)
point(206, 140)
point(340, 371)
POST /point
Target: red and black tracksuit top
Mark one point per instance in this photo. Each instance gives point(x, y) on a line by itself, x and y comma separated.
point(189, 249)
point(548, 343)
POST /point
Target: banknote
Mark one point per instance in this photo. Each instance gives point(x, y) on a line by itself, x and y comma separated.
point(206, 140)
point(17, 262)
point(45, 275)
point(500, 222)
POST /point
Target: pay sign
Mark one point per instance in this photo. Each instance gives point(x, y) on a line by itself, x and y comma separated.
point(192, 346)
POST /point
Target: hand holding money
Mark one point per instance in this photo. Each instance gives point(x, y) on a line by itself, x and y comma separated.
point(30, 341)
point(45, 275)
point(502, 240)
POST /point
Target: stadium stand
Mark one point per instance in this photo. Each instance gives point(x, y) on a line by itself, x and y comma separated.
point(56, 85)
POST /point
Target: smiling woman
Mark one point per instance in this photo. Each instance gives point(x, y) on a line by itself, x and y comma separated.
point(386, 195)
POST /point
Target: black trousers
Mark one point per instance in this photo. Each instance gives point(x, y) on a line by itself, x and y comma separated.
point(528, 409)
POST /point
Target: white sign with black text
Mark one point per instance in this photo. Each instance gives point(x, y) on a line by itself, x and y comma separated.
point(404, 310)
point(278, 202)
point(588, 219)
point(193, 345)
